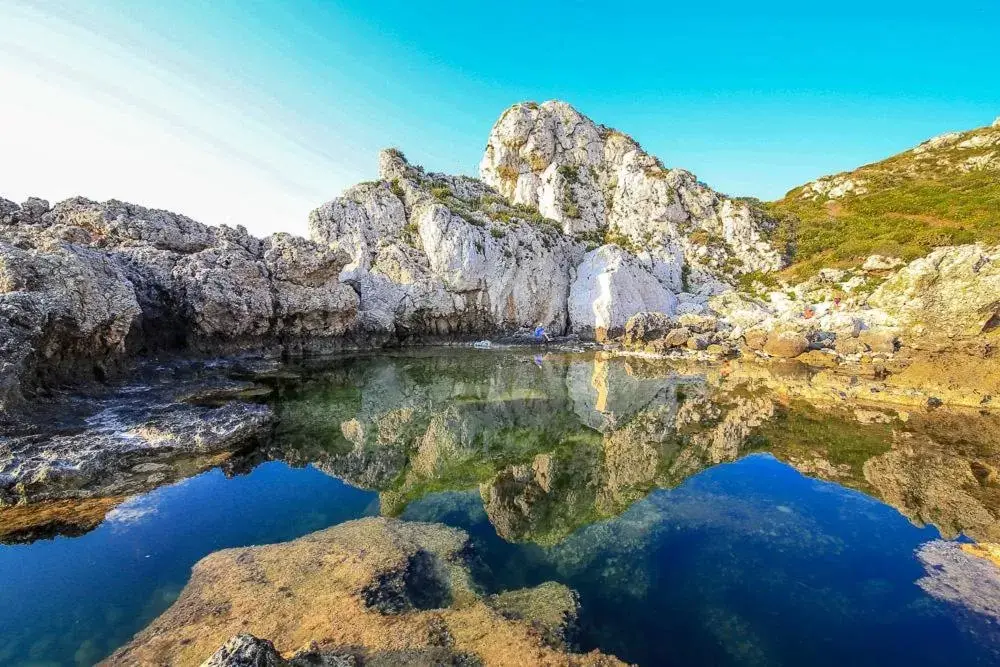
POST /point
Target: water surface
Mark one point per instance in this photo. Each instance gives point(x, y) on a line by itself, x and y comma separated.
point(703, 517)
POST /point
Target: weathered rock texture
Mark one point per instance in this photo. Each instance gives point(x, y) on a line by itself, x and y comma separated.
point(572, 227)
point(438, 255)
point(953, 293)
point(598, 181)
point(375, 586)
point(84, 283)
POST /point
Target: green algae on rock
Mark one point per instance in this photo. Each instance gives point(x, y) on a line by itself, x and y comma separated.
point(381, 585)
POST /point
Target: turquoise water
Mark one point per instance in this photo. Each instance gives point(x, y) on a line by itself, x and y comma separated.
point(671, 501)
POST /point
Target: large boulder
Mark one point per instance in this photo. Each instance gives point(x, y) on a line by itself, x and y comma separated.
point(643, 328)
point(786, 344)
point(611, 286)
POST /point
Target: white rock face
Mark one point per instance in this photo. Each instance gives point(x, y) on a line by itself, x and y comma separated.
point(599, 182)
point(438, 254)
point(834, 187)
point(881, 263)
point(611, 286)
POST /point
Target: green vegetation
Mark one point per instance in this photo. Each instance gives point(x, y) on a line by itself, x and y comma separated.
point(754, 280)
point(622, 241)
point(915, 202)
point(570, 209)
point(396, 188)
point(570, 172)
point(411, 232)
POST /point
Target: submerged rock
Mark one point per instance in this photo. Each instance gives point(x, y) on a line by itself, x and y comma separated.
point(955, 576)
point(379, 589)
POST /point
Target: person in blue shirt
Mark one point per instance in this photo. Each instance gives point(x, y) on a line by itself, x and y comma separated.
point(540, 335)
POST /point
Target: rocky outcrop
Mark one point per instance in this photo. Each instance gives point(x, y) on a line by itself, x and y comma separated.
point(572, 227)
point(123, 457)
point(438, 255)
point(369, 588)
point(434, 254)
point(596, 181)
point(84, 284)
point(953, 293)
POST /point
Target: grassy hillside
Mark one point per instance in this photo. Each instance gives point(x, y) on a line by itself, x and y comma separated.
point(946, 191)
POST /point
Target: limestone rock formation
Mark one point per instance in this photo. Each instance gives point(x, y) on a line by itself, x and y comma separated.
point(595, 180)
point(371, 587)
point(122, 457)
point(434, 254)
point(84, 283)
point(611, 286)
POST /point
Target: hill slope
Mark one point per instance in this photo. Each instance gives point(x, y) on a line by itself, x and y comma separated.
point(946, 191)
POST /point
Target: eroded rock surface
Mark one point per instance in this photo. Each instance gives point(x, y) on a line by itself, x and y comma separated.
point(83, 284)
point(596, 180)
point(379, 586)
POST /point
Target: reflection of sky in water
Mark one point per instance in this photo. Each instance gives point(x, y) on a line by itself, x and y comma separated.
point(74, 600)
point(745, 563)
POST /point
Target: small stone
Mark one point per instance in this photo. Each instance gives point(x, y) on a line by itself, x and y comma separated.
point(818, 359)
point(677, 337)
point(879, 342)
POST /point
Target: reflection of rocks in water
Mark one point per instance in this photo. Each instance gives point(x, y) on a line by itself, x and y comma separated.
point(943, 470)
point(23, 524)
point(542, 501)
point(79, 459)
point(965, 580)
point(372, 588)
point(934, 487)
point(606, 393)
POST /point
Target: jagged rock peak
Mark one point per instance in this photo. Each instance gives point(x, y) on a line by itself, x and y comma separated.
point(598, 182)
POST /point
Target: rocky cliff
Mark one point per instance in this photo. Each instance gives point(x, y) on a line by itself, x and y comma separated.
point(572, 226)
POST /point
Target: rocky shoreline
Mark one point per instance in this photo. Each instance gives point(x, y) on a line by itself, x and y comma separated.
point(571, 227)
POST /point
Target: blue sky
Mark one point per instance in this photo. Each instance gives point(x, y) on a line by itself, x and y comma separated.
point(255, 112)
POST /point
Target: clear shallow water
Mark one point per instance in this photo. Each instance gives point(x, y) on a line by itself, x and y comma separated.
point(670, 499)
